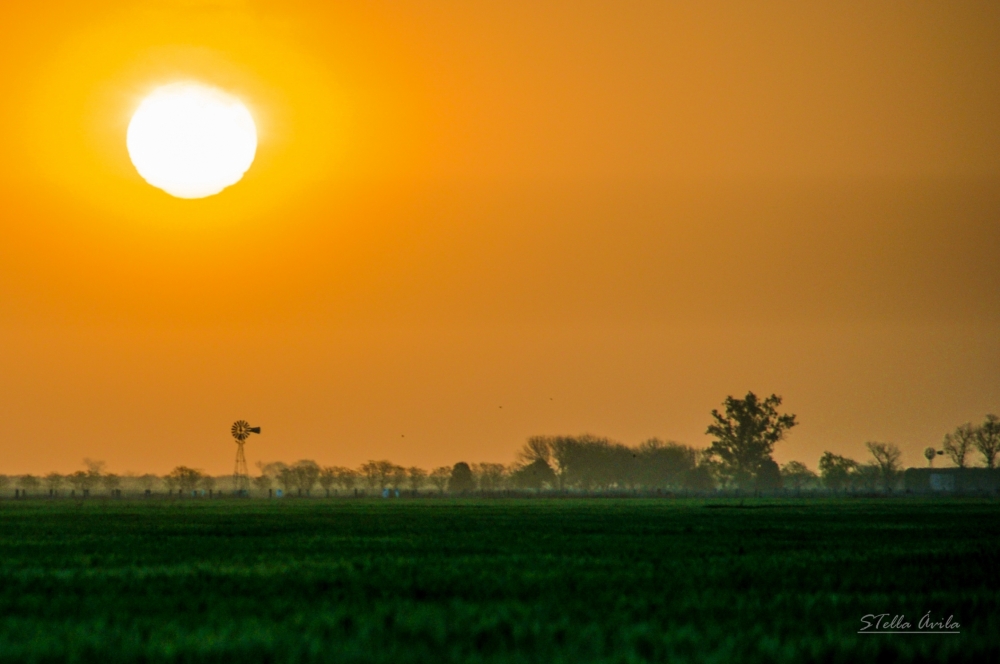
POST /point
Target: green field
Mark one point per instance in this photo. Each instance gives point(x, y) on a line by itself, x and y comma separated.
point(435, 580)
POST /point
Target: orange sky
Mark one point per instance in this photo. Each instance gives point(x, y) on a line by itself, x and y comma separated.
point(603, 217)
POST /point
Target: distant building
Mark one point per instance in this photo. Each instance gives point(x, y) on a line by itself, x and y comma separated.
point(952, 480)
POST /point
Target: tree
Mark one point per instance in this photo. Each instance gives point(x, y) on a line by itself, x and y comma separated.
point(186, 479)
point(327, 478)
point(768, 477)
point(416, 477)
point(29, 483)
point(959, 443)
point(305, 473)
point(490, 475)
point(439, 478)
point(988, 440)
point(538, 448)
point(461, 479)
point(111, 482)
point(148, 481)
point(535, 475)
point(262, 482)
point(746, 434)
point(207, 482)
point(53, 481)
point(887, 458)
point(81, 480)
point(867, 477)
point(347, 478)
point(836, 471)
point(660, 465)
point(397, 477)
point(796, 475)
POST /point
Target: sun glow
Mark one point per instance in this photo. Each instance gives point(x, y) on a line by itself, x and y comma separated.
point(191, 140)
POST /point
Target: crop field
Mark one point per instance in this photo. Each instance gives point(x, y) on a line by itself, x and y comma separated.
point(542, 580)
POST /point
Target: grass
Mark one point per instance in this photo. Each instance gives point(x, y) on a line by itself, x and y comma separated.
point(495, 580)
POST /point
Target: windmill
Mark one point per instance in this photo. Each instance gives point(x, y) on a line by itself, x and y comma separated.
point(241, 476)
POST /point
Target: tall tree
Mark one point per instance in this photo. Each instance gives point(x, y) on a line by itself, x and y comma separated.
point(887, 458)
point(959, 443)
point(988, 440)
point(745, 435)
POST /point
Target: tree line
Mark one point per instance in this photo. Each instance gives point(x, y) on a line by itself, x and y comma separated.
point(744, 434)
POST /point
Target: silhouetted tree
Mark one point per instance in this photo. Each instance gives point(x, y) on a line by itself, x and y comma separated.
point(111, 482)
point(490, 476)
point(327, 478)
point(661, 465)
point(746, 434)
point(988, 440)
point(207, 482)
point(959, 443)
point(536, 449)
point(29, 483)
point(867, 477)
point(439, 478)
point(416, 478)
point(887, 458)
point(305, 473)
point(186, 479)
point(461, 478)
point(535, 475)
point(53, 481)
point(262, 482)
point(148, 481)
point(796, 475)
point(397, 477)
point(347, 478)
point(768, 477)
point(836, 471)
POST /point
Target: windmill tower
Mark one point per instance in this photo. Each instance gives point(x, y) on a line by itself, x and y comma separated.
point(241, 476)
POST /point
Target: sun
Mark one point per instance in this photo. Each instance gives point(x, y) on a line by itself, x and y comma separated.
point(191, 140)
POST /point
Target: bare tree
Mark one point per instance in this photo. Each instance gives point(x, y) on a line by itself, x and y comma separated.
point(416, 477)
point(887, 458)
point(439, 478)
point(958, 444)
point(537, 447)
point(988, 440)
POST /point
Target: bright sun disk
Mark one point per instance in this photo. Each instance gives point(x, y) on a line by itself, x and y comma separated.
point(191, 140)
